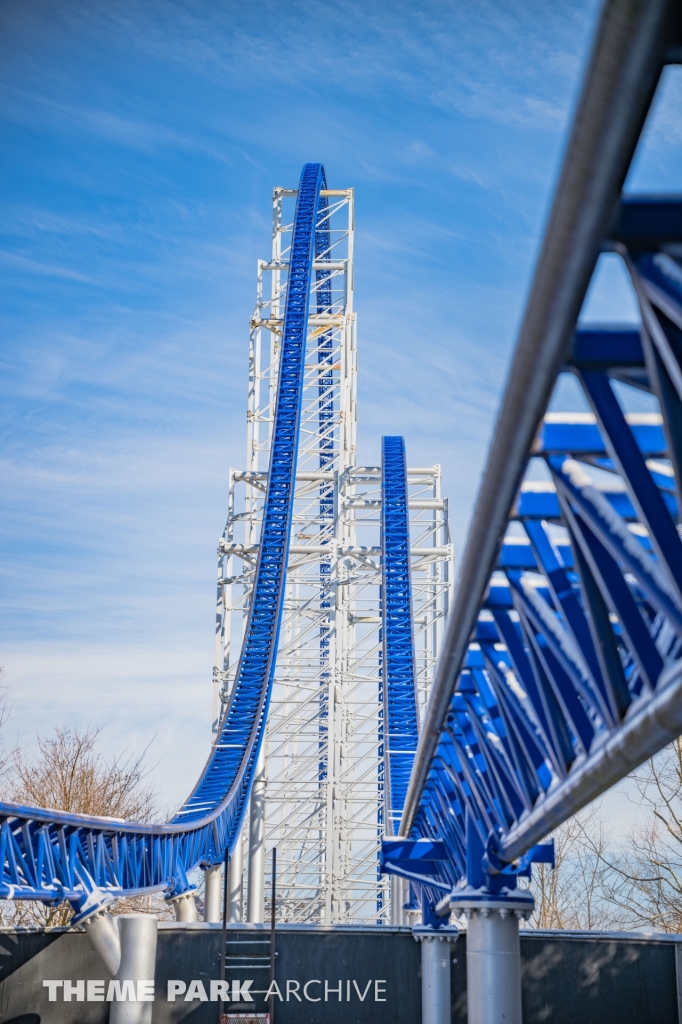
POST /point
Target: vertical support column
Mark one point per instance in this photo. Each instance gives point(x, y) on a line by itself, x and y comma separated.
point(212, 892)
point(436, 996)
point(185, 906)
point(399, 896)
point(138, 965)
point(102, 930)
point(256, 896)
point(235, 883)
point(493, 966)
point(493, 906)
point(678, 979)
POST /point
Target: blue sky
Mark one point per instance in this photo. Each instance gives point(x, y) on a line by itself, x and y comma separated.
point(141, 143)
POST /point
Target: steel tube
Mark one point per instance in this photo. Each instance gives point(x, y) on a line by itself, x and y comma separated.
point(435, 956)
point(213, 877)
point(235, 883)
point(185, 907)
point(623, 70)
point(643, 733)
point(138, 965)
point(493, 968)
point(256, 896)
point(330, 549)
point(102, 931)
point(398, 899)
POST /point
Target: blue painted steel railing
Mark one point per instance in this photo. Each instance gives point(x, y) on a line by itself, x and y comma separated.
point(400, 723)
point(49, 855)
point(562, 664)
point(574, 673)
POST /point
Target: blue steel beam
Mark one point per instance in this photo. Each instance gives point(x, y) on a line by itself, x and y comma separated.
point(562, 668)
point(48, 855)
point(400, 722)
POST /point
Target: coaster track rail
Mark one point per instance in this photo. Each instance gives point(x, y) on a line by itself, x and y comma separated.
point(50, 855)
point(562, 665)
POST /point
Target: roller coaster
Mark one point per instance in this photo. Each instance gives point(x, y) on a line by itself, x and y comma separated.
point(561, 668)
point(90, 861)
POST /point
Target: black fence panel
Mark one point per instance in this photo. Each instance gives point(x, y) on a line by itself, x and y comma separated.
point(339, 976)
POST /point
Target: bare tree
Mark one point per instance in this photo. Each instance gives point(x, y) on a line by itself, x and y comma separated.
point(69, 774)
point(572, 895)
point(645, 876)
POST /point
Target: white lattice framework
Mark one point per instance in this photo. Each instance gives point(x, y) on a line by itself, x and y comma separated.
point(324, 802)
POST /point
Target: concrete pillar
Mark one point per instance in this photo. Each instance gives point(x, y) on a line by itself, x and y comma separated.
point(235, 883)
point(256, 896)
point(493, 967)
point(213, 907)
point(138, 965)
point(436, 953)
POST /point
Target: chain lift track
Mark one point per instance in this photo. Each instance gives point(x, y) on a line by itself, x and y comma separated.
point(49, 855)
point(323, 769)
point(311, 612)
point(400, 697)
point(561, 669)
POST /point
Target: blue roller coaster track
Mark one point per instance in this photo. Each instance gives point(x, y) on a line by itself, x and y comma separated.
point(48, 855)
point(562, 665)
point(400, 722)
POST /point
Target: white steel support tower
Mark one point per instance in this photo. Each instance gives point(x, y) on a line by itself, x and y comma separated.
point(324, 771)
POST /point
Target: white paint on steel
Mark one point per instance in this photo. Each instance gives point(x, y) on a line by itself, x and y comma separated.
point(324, 797)
point(185, 907)
point(102, 930)
point(256, 894)
point(235, 883)
point(213, 883)
point(138, 964)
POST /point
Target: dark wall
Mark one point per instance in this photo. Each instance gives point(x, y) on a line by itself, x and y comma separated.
point(598, 981)
point(566, 979)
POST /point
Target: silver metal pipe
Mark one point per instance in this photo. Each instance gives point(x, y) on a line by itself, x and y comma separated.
point(397, 900)
point(646, 730)
point(330, 549)
point(102, 930)
point(436, 1001)
point(185, 907)
point(235, 883)
point(493, 968)
point(213, 878)
point(624, 68)
point(138, 966)
point(255, 908)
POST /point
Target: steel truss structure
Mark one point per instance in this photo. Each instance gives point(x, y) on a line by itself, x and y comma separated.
point(50, 855)
point(562, 668)
point(304, 529)
point(324, 764)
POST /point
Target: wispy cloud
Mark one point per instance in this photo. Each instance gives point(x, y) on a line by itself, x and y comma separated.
point(30, 266)
point(141, 143)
